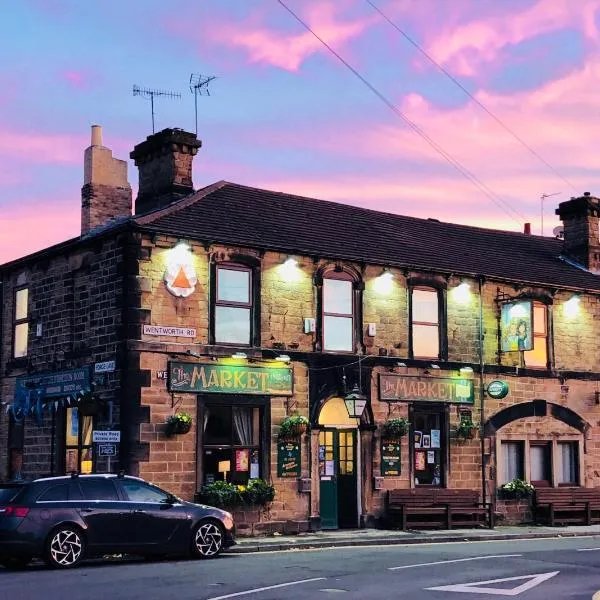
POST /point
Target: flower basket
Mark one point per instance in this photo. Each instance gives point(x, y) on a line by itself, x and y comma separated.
point(393, 429)
point(256, 492)
point(177, 424)
point(516, 490)
point(293, 427)
point(466, 430)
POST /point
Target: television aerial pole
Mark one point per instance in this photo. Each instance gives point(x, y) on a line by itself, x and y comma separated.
point(199, 87)
point(148, 93)
point(542, 198)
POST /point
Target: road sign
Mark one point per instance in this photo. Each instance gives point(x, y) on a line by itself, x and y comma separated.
point(106, 436)
point(105, 367)
point(476, 587)
point(107, 449)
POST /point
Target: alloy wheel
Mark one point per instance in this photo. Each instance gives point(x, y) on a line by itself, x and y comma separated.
point(208, 540)
point(65, 548)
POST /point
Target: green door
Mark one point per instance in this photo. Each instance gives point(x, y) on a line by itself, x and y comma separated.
point(328, 458)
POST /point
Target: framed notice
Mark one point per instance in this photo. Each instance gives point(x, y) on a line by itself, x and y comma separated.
point(419, 460)
point(426, 441)
point(390, 459)
point(288, 459)
point(435, 438)
point(418, 436)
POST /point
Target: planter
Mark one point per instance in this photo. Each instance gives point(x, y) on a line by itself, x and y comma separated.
point(293, 427)
point(517, 511)
point(299, 429)
point(176, 428)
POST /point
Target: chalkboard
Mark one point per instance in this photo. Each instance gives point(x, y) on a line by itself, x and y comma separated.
point(288, 459)
point(390, 458)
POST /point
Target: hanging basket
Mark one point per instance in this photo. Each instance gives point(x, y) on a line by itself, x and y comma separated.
point(178, 424)
point(293, 427)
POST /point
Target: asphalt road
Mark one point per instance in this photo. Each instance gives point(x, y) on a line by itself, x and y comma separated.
point(563, 569)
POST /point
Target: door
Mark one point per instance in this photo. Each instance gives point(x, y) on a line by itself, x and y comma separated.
point(338, 475)
point(429, 446)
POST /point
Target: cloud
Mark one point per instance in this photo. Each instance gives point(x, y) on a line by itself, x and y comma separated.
point(77, 79)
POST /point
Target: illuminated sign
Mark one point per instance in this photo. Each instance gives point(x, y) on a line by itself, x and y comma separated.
point(180, 276)
point(439, 389)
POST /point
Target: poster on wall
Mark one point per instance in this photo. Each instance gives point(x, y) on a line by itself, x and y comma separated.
point(430, 457)
point(390, 459)
point(426, 441)
point(288, 459)
point(516, 326)
point(242, 458)
point(419, 460)
point(418, 435)
point(435, 438)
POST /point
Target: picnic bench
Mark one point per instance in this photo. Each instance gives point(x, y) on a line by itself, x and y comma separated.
point(437, 507)
point(567, 505)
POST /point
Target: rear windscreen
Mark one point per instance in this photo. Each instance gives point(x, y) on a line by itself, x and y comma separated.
point(8, 493)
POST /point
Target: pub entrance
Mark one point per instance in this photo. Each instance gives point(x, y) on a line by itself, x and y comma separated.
point(428, 432)
point(338, 467)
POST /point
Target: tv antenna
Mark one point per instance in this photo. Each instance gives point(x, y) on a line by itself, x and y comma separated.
point(148, 93)
point(542, 198)
point(199, 87)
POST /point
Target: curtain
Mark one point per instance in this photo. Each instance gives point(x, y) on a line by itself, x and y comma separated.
point(512, 460)
point(568, 465)
point(206, 415)
point(242, 421)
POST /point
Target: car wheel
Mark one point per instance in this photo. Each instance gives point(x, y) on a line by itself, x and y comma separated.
point(65, 548)
point(15, 563)
point(207, 540)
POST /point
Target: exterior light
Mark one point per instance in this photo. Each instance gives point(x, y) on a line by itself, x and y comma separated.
point(289, 269)
point(466, 370)
point(572, 307)
point(384, 282)
point(355, 402)
point(180, 275)
point(283, 358)
point(433, 366)
point(400, 364)
point(239, 355)
point(462, 293)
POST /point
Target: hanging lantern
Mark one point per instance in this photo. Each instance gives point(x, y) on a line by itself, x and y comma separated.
point(355, 402)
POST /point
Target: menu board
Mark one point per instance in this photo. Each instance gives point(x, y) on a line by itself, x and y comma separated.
point(288, 459)
point(390, 458)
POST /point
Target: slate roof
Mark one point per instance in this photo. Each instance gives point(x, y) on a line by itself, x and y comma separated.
point(245, 216)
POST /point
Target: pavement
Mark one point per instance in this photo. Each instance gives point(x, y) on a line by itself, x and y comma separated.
point(381, 537)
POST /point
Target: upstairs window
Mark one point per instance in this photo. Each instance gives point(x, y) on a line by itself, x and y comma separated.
point(425, 321)
point(21, 323)
point(233, 305)
point(338, 312)
point(538, 357)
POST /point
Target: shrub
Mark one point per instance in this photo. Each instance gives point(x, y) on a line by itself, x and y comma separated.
point(229, 495)
point(517, 488)
point(465, 429)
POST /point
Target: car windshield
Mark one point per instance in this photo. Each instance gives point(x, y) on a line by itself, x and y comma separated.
point(8, 493)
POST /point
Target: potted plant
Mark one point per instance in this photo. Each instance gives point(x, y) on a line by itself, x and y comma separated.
point(293, 427)
point(394, 429)
point(180, 422)
point(516, 489)
point(221, 494)
point(258, 492)
point(465, 430)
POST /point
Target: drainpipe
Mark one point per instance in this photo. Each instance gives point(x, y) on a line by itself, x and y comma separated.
point(481, 390)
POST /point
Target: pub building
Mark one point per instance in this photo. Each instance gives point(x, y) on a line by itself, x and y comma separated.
point(241, 307)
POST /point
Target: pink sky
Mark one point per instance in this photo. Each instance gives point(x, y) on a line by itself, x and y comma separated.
point(285, 114)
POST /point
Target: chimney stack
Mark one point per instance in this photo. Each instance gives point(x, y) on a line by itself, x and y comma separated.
point(580, 217)
point(164, 162)
point(106, 193)
point(527, 229)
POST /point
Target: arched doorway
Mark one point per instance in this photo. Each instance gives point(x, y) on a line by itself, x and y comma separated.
point(339, 466)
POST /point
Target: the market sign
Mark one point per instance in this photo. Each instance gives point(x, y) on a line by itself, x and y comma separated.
point(230, 379)
point(398, 388)
point(497, 389)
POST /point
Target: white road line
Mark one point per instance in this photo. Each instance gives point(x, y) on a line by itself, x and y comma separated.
point(456, 560)
point(269, 587)
point(587, 549)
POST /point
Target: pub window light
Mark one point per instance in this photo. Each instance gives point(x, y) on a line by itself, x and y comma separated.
point(572, 306)
point(289, 269)
point(384, 282)
point(462, 293)
point(283, 358)
point(239, 355)
point(434, 366)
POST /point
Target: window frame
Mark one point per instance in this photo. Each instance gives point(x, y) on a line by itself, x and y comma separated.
point(441, 322)
point(546, 445)
point(339, 276)
point(535, 335)
point(501, 468)
point(21, 321)
point(577, 445)
point(80, 447)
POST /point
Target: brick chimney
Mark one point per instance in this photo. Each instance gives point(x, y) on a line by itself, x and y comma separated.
point(164, 161)
point(580, 217)
point(106, 193)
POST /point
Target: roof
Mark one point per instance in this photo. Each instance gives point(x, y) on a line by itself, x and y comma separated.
point(246, 216)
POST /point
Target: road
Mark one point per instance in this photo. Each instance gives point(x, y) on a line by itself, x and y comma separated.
point(562, 569)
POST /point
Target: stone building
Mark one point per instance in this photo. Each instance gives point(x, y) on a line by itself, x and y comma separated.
point(242, 306)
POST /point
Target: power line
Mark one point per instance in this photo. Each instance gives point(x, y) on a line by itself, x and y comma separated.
point(466, 91)
point(507, 208)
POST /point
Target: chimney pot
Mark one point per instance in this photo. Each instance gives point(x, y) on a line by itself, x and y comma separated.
point(527, 229)
point(96, 135)
point(586, 194)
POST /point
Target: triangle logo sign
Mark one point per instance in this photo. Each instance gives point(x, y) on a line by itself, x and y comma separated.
point(475, 587)
point(181, 280)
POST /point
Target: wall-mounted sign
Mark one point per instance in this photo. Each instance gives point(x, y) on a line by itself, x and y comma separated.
point(107, 449)
point(230, 379)
point(180, 275)
point(516, 326)
point(105, 367)
point(390, 458)
point(497, 389)
point(162, 374)
point(53, 385)
point(188, 332)
point(104, 436)
point(399, 388)
point(288, 459)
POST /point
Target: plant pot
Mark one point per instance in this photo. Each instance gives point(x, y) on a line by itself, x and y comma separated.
point(299, 429)
point(177, 428)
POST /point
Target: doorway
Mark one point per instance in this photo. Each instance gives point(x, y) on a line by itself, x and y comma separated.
point(428, 433)
point(338, 467)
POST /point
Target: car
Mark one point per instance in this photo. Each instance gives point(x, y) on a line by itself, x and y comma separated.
point(66, 519)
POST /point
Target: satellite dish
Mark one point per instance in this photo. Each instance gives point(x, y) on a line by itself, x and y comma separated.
point(559, 232)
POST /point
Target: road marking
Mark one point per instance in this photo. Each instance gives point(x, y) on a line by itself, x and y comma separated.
point(587, 549)
point(456, 560)
point(596, 596)
point(474, 587)
point(269, 587)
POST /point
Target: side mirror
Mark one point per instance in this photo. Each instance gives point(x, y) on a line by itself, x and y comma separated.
point(171, 499)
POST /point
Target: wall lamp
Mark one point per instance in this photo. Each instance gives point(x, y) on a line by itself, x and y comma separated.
point(283, 358)
point(384, 281)
point(239, 355)
point(289, 269)
point(572, 306)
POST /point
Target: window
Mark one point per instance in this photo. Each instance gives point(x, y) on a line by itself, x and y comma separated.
point(138, 491)
point(232, 443)
point(568, 463)
point(338, 313)
point(538, 357)
point(512, 461)
point(425, 321)
point(540, 459)
point(21, 331)
point(78, 442)
point(233, 305)
point(57, 493)
point(98, 489)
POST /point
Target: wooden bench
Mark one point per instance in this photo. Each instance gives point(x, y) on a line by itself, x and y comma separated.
point(437, 507)
point(567, 505)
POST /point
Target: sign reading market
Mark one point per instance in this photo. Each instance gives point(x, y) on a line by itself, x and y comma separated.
point(400, 388)
point(203, 378)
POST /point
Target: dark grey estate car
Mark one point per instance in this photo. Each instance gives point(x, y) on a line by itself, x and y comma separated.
point(64, 519)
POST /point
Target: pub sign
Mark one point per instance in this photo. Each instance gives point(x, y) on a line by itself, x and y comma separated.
point(398, 388)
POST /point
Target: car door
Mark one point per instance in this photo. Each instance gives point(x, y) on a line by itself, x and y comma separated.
point(154, 519)
point(103, 512)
